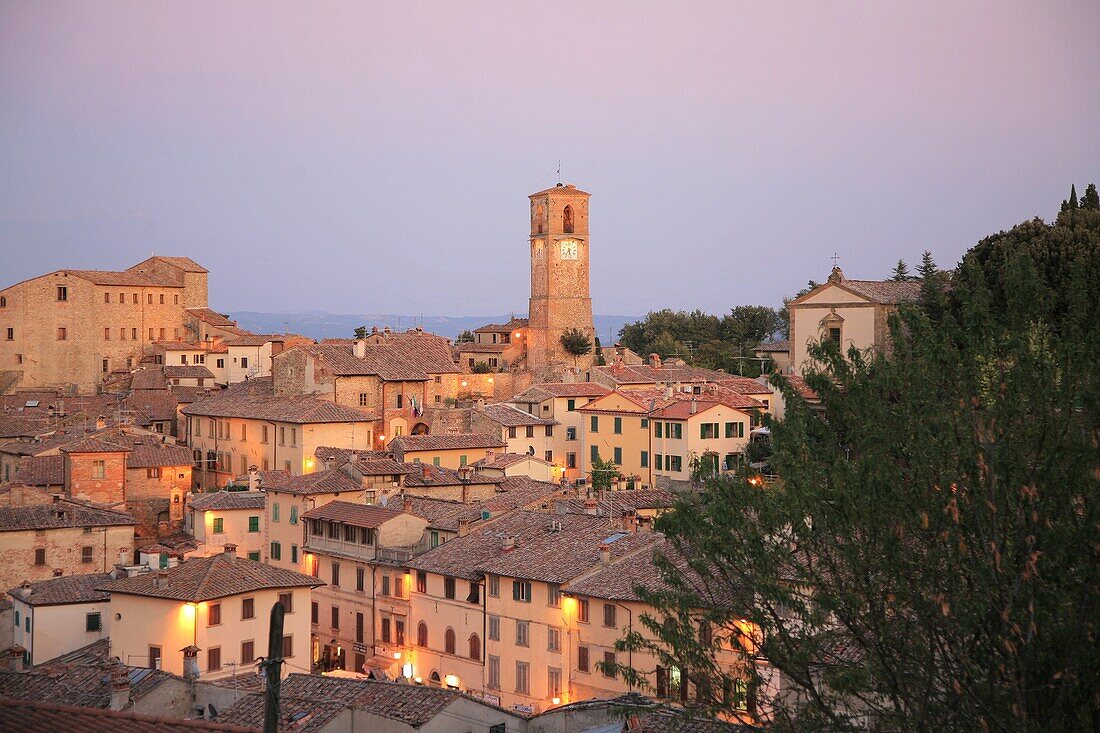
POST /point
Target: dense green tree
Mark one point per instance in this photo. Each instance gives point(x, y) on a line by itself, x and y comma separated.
point(466, 337)
point(703, 339)
point(601, 472)
point(481, 367)
point(901, 272)
point(931, 554)
point(360, 332)
point(1091, 199)
point(576, 342)
point(600, 360)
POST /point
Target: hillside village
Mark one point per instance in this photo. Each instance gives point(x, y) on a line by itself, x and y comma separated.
point(460, 526)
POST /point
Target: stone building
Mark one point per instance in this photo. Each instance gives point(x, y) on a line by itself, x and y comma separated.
point(72, 328)
point(559, 279)
point(852, 313)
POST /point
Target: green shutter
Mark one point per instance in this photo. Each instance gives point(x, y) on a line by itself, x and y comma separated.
point(660, 459)
point(595, 453)
point(618, 425)
point(570, 405)
point(645, 459)
point(293, 515)
point(657, 425)
point(595, 424)
point(618, 456)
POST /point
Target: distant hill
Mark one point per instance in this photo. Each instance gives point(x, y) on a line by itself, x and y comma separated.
point(319, 325)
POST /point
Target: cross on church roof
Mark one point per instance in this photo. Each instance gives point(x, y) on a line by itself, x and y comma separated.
point(835, 258)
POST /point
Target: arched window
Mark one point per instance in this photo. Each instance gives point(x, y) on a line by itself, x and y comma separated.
point(567, 220)
point(475, 647)
point(449, 641)
point(422, 634)
point(4, 301)
point(434, 677)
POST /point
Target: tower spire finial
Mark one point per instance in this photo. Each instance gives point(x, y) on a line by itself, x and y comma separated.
point(559, 171)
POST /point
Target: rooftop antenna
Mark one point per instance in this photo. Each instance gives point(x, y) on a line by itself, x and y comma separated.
point(559, 171)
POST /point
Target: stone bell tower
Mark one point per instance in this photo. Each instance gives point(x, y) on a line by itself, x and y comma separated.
point(559, 279)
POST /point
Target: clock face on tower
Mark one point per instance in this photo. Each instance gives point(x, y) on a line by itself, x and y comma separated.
point(569, 249)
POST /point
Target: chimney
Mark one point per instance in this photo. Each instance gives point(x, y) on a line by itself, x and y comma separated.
point(655, 360)
point(15, 658)
point(480, 404)
point(374, 329)
point(120, 689)
point(426, 471)
point(190, 662)
point(605, 553)
point(463, 527)
point(694, 405)
point(230, 551)
point(360, 349)
point(100, 422)
point(590, 506)
point(630, 521)
point(161, 580)
point(407, 504)
point(253, 474)
point(507, 544)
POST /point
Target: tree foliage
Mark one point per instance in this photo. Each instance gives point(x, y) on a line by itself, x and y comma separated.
point(901, 272)
point(601, 472)
point(360, 332)
point(576, 342)
point(466, 337)
point(703, 339)
point(930, 560)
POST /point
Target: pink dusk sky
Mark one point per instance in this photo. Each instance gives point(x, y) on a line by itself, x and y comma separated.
point(376, 157)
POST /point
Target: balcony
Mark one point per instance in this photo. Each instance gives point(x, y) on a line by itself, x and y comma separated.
point(343, 548)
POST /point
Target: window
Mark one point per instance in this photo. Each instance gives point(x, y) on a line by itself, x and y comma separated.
point(287, 599)
point(276, 551)
point(293, 515)
point(162, 334)
point(512, 432)
point(60, 334)
point(570, 405)
point(359, 624)
point(254, 555)
point(582, 659)
point(553, 594)
point(360, 579)
point(254, 524)
point(735, 430)
point(660, 462)
point(617, 456)
point(553, 682)
point(570, 460)
point(62, 292)
point(86, 554)
point(675, 463)
point(449, 641)
point(248, 608)
point(421, 581)
point(608, 666)
point(523, 633)
point(434, 539)
point(93, 622)
point(494, 673)
point(10, 334)
point(154, 657)
point(151, 337)
point(594, 424)
point(363, 399)
point(105, 365)
point(133, 334)
point(314, 615)
point(595, 453)
point(462, 460)
point(494, 628)
point(99, 469)
point(385, 585)
point(675, 430)
point(335, 573)
point(834, 334)
point(244, 362)
point(494, 586)
point(288, 646)
point(523, 675)
point(582, 611)
point(219, 525)
point(658, 431)
point(618, 426)
point(553, 639)
point(294, 554)
point(248, 652)
point(335, 617)
point(214, 614)
point(669, 683)
point(530, 431)
point(645, 459)
point(399, 586)
point(521, 591)
point(449, 587)
point(399, 632)
point(708, 430)
point(609, 615)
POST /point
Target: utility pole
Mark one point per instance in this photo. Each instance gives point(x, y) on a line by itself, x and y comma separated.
point(272, 667)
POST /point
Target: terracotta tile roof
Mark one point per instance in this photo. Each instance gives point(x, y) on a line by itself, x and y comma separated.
point(425, 474)
point(97, 443)
point(549, 390)
point(340, 455)
point(523, 492)
point(442, 513)
point(666, 720)
point(413, 705)
point(255, 399)
point(210, 316)
point(183, 263)
point(510, 416)
point(619, 502)
point(151, 405)
point(468, 347)
point(804, 390)
point(642, 401)
point(379, 466)
point(149, 378)
point(81, 677)
point(228, 500)
point(508, 327)
point(647, 374)
point(40, 471)
point(884, 291)
point(783, 345)
point(541, 552)
point(186, 394)
point(567, 189)
point(296, 714)
point(187, 371)
point(359, 515)
point(390, 356)
point(151, 453)
point(744, 385)
point(681, 408)
point(209, 578)
point(41, 717)
point(409, 443)
point(253, 339)
point(130, 279)
point(63, 590)
point(60, 515)
point(333, 481)
point(501, 461)
point(178, 346)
